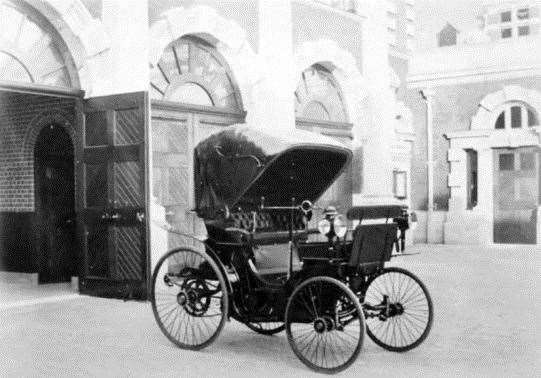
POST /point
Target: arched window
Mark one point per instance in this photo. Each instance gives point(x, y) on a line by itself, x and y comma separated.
point(516, 115)
point(318, 96)
point(31, 51)
point(191, 71)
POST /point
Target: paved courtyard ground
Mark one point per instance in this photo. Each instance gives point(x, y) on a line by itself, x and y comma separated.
point(487, 323)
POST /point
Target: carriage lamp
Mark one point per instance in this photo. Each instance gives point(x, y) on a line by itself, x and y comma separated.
point(340, 226)
point(333, 224)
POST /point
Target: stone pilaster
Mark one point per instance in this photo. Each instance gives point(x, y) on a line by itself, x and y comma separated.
point(126, 68)
point(377, 155)
point(274, 90)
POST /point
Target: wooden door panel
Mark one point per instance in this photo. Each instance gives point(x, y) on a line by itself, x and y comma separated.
point(113, 226)
point(515, 195)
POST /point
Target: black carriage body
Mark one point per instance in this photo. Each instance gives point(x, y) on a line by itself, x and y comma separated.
point(254, 192)
point(246, 181)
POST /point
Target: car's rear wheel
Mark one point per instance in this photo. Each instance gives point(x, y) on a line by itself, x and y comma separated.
point(398, 310)
point(189, 298)
point(325, 324)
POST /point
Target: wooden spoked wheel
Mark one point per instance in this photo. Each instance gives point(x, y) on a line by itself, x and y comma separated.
point(398, 310)
point(189, 298)
point(325, 324)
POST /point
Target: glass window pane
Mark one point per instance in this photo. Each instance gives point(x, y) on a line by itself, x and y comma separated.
point(506, 33)
point(516, 117)
point(523, 13)
point(523, 30)
point(505, 16)
point(96, 129)
point(532, 119)
point(500, 122)
point(40, 55)
point(13, 70)
point(527, 161)
point(507, 162)
point(316, 110)
point(190, 93)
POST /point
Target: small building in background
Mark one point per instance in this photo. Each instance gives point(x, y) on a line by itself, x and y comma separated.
point(476, 107)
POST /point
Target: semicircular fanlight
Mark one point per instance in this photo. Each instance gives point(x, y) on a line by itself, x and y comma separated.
point(191, 71)
point(318, 96)
point(31, 51)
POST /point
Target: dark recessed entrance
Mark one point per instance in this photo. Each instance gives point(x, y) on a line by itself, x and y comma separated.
point(55, 205)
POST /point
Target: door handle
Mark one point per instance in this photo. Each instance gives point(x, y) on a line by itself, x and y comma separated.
point(140, 216)
point(116, 216)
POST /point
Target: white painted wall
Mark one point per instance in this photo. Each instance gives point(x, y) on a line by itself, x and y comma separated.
point(125, 67)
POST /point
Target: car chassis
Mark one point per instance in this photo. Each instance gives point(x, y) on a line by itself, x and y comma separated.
point(255, 194)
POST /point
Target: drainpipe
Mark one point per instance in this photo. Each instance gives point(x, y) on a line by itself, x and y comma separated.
point(427, 95)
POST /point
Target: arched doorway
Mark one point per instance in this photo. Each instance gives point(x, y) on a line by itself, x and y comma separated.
point(38, 76)
point(320, 107)
point(194, 94)
point(516, 179)
point(55, 205)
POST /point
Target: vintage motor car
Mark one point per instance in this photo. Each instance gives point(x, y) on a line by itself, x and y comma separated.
point(267, 264)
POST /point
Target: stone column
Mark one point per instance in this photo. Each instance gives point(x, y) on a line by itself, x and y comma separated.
point(126, 69)
point(274, 105)
point(379, 136)
point(485, 193)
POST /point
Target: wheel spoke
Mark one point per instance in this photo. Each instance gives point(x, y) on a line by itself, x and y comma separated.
point(311, 324)
point(410, 310)
point(189, 308)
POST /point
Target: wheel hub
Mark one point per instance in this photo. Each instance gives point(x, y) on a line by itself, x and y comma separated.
point(319, 325)
point(181, 298)
point(324, 324)
point(193, 298)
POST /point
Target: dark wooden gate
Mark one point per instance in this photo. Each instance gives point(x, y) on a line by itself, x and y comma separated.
point(113, 199)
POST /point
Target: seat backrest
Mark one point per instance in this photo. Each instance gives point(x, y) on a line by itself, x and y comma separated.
point(266, 221)
point(372, 243)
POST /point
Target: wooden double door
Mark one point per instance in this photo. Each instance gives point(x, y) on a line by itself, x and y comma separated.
point(517, 195)
point(113, 195)
point(176, 129)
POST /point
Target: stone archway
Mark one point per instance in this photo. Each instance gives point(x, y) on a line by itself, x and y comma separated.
point(227, 36)
point(485, 116)
point(342, 65)
point(41, 121)
point(84, 36)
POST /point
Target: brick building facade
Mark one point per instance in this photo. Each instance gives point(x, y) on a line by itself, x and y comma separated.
point(101, 103)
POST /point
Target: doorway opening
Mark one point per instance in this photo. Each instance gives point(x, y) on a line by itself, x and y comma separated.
point(516, 195)
point(57, 254)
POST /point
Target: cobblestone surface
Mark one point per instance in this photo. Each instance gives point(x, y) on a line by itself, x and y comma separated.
point(486, 324)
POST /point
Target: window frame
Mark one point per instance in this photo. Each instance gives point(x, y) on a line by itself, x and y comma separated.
point(521, 18)
point(526, 114)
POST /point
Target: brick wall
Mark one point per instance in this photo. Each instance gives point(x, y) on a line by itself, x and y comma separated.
point(21, 118)
point(453, 108)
